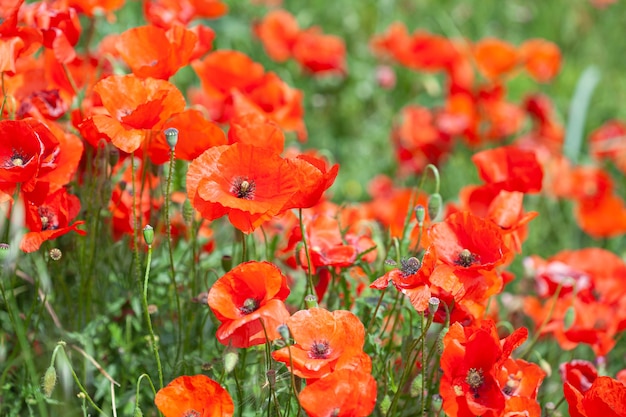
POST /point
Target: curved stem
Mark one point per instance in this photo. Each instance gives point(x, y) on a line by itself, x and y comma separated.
point(144, 300)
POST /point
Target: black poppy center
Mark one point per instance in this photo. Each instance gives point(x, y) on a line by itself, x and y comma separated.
point(465, 258)
point(409, 266)
point(49, 219)
point(243, 188)
point(475, 379)
point(249, 305)
point(319, 350)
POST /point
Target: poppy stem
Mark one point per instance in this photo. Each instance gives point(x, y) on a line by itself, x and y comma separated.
point(380, 301)
point(144, 300)
point(4, 93)
point(168, 231)
point(310, 290)
point(137, 390)
point(244, 247)
point(80, 386)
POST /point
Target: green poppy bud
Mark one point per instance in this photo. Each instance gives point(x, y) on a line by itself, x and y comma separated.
point(434, 206)
point(171, 136)
point(148, 234)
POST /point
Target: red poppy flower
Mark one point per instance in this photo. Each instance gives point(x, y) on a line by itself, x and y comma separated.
point(90, 7)
point(495, 57)
point(255, 129)
point(196, 395)
point(153, 52)
point(320, 53)
point(59, 26)
point(541, 58)
point(323, 340)
point(50, 219)
point(137, 109)
point(464, 241)
point(166, 13)
point(278, 32)
point(248, 300)
point(249, 184)
point(605, 397)
point(609, 142)
point(343, 393)
point(471, 361)
point(510, 169)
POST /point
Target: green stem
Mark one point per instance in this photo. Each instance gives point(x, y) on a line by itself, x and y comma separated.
point(81, 387)
point(144, 299)
point(309, 273)
point(168, 231)
point(535, 339)
point(373, 318)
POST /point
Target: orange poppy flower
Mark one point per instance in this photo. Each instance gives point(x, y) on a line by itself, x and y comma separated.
point(494, 57)
point(249, 184)
point(541, 58)
point(320, 53)
point(136, 107)
point(343, 393)
point(248, 300)
point(50, 219)
point(609, 142)
point(153, 52)
point(90, 7)
point(166, 13)
point(471, 361)
point(196, 395)
point(278, 32)
point(323, 340)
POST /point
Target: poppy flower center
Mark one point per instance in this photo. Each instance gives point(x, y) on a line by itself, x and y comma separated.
point(49, 220)
point(465, 258)
point(249, 305)
point(191, 413)
point(409, 266)
point(475, 379)
point(319, 350)
point(243, 188)
point(17, 159)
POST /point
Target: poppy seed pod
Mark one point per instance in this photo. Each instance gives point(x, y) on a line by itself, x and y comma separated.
point(420, 214)
point(148, 234)
point(171, 136)
point(4, 251)
point(310, 301)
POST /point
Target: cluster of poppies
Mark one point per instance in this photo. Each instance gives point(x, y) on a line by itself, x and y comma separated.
point(68, 115)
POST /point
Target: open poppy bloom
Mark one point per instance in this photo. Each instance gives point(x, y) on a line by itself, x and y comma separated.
point(278, 32)
point(194, 396)
point(471, 361)
point(248, 300)
point(342, 393)
point(323, 341)
point(137, 109)
point(589, 394)
point(166, 13)
point(541, 58)
point(510, 168)
point(154, 52)
point(494, 57)
point(320, 53)
point(50, 219)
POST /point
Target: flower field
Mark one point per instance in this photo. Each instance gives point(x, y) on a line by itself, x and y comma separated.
point(324, 209)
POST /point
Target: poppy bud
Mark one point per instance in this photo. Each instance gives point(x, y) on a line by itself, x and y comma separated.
point(148, 234)
point(434, 206)
point(443, 333)
point(49, 381)
point(436, 401)
point(114, 156)
point(271, 377)
point(420, 214)
point(187, 211)
point(227, 263)
point(171, 136)
point(55, 254)
point(137, 412)
point(310, 301)
point(283, 331)
point(231, 357)
point(385, 404)
point(570, 317)
point(417, 386)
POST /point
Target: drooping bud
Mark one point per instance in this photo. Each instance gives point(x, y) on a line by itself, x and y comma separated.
point(114, 156)
point(570, 317)
point(385, 404)
point(283, 331)
point(231, 358)
point(443, 333)
point(4, 251)
point(271, 377)
point(49, 381)
point(417, 386)
point(227, 263)
point(171, 136)
point(435, 203)
point(187, 211)
point(55, 254)
point(137, 412)
point(148, 234)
